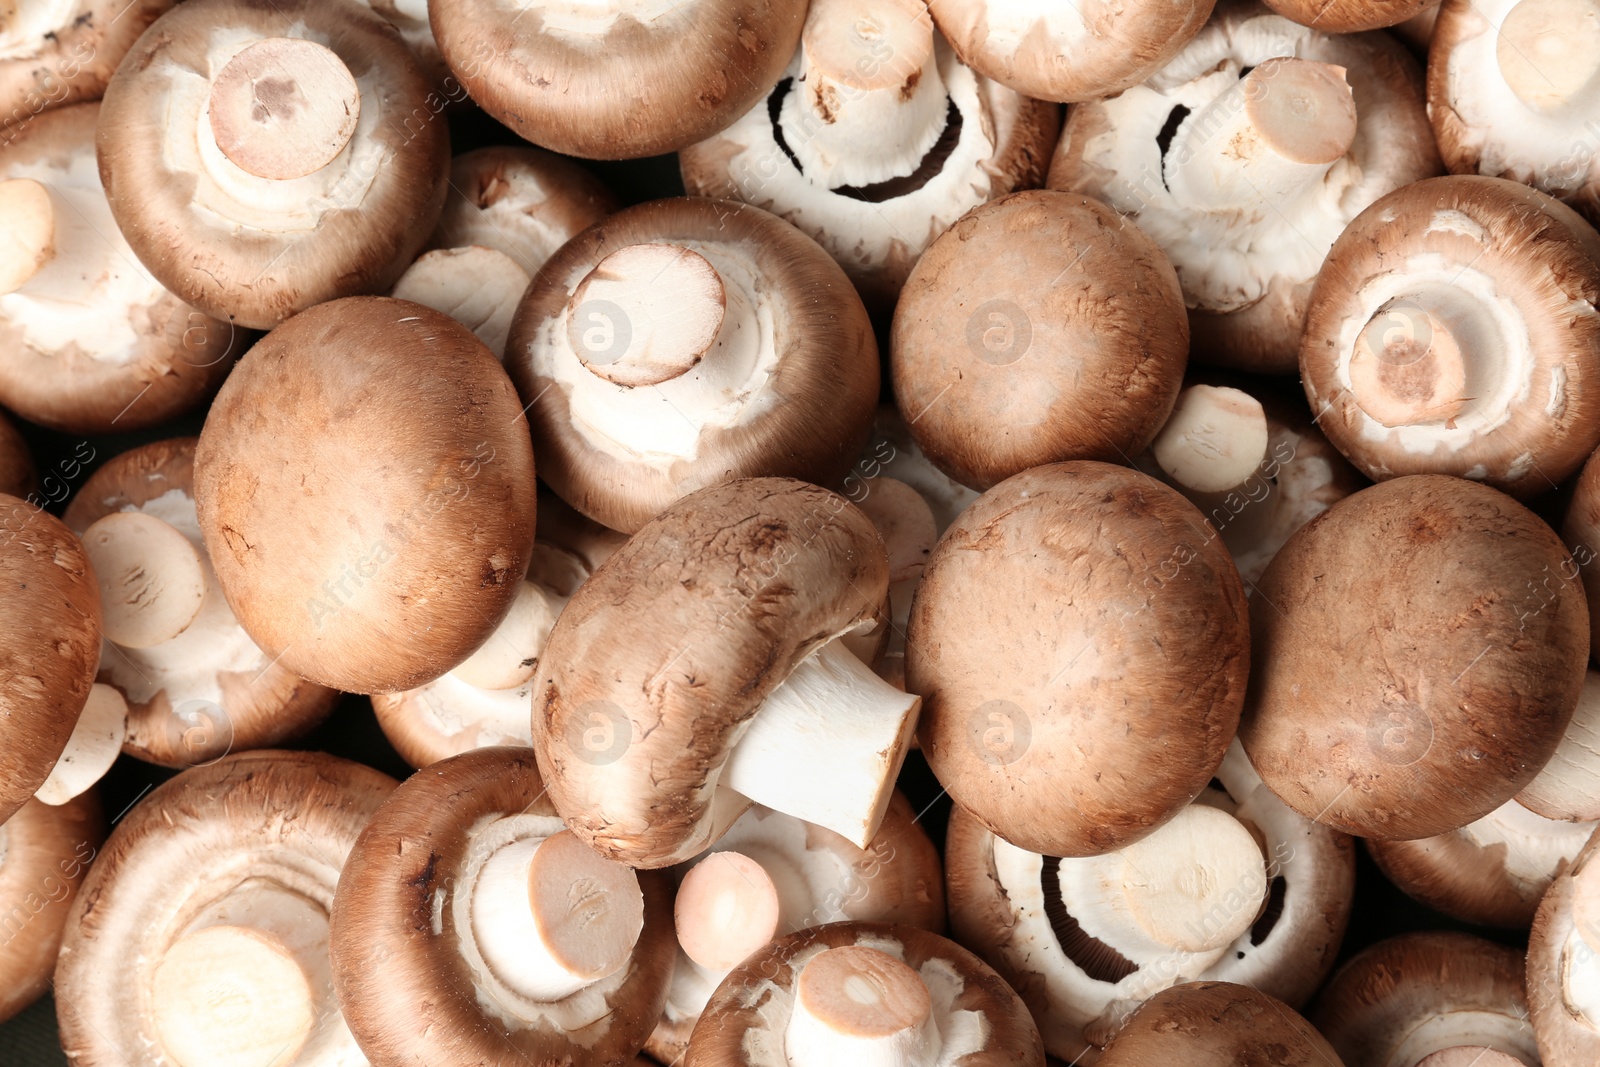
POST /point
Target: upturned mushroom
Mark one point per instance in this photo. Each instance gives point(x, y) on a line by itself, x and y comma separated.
point(18, 475)
point(701, 669)
point(1568, 788)
point(90, 341)
point(876, 993)
point(1429, 1000)
point(1040, 328)
point(605, 79)
point(1049, 711)
point(1236, 888)
point(1563, 975)
point(1331, 123)
point(1451, 332)
point(538, 951)
point(1348, 16)
point(1216, 1024)
point(54, 53)
point(44, 852)
point(361, 575)
point(200, 936)
point(687, 342)
point(265, 158)
point(876, 141)
point(1420, 647)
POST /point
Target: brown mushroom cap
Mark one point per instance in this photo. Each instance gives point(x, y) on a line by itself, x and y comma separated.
point(1558, 951)
point(1216, 1024)
point(1420, 653)
point(44, 852)
point(1348, 16)
point(407, 991)
point(71, 62)
point(195, 221)
point(1039, 328)
point(360, 574)
point(18, 476)
point(1581, 531)
point(1070, 623)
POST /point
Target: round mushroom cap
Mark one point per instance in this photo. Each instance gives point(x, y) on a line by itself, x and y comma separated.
point(1581, 530)
point(1420, 648)
point(18, 476)
point(1070, 623)
point(1040, 328)
point(1216, 1024)
point(254, 249)
point(1562, 964)
point(369, 517)
point(57, 54)
point(1348, 16)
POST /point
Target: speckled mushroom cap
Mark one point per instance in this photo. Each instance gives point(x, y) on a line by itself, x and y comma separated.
point(1247, 261)
point(1068, 53)
point(788, 389)
point(611, 80)
point(1420, 649)
point(255, 840)
point(1562, 967)
point(254, 249)
point(18, 476)
point(62, 53)
point(420, 992)
point(1049, 707)
point(92, 343)
point(44, 852)
point(1040, 328)
point(1217, 1024)
point(744, 1024)
point(209, 690)
point(1348, 16)
point(1403, 999)
point(49, 645)
point(352, 506)
point(1581, 530)
point(1451, 333)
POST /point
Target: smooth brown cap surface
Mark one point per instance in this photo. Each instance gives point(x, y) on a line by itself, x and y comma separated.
point(1215, 1024)
point(1347, 16)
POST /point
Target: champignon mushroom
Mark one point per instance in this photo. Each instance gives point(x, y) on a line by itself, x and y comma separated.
point(264, 158)
point(1348, 16)
point(18, 476)
point(1451, 332)
point(874, 993)
point(1563, 976)
point(58, 52)
point(611, 80)
point(361, 574)
point(90, 342)
point(1581, 530)
point(876, 141)
point(1333, 123)
point(1569, 786)
point(700, 669)
point(1071, 623)
point(687, 342)
point(1067, 53)
point(1040, 328)
point(1429, 1000)
point(44, 851)
point(221, 959)
point(1217, 1024)
point(539, 950)
point(1236, 888)
point(771, 875)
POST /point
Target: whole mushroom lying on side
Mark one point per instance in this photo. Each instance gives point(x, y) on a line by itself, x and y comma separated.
point(45, 851)
point(18, 475)
point(1563, 975)
point(1215, 1024)
point(54, 53)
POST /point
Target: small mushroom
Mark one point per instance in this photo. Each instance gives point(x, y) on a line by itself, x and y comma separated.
point(264, 158)
point(1040, 328)
point(1418, 657)
point(1349, 16)
point(607, 79)
point(1563, 976)
point(1429, 1000)
point(876, 141)
point(362, 574)
point(701, 669)
point(1332, 123)
point(1450, 332)
point(1217, 1024)
point(18, 475)
point(539, 950)
point(1071, 623)
point(221, 960)
point(1569, 786)
point(44, 852)
point(90, 342)
point(864, 993)
point(54, 53)
point(683, 343)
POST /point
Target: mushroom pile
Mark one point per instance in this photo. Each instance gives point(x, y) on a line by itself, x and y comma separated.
point(800, 533)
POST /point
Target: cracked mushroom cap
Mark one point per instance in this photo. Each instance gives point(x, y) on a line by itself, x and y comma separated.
point(687, 342)
point(54, 54)
point(614, 80)
point(1040, 328)
point(90, 341)
point(1563, 975)
point(457, 990)
point(1049, 707)
point(1348, 16)
point(222, 958)
point(254, 197)
point(207, 690)
point(18, 475)
point(840, 993)
point(1217, 1024)
point(1451, 332)
point(368, 517)
point(1420, 649)
point(45, 850)
point(1247, 233)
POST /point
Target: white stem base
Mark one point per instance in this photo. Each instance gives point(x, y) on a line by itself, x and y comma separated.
point(95, 743)
point(727, 907)
point(27, 232)
point(478, 287)
point(231, 996)
point(1215, 440)
point(510, 656)
point(152, 579)
point(1549, 51)
point(1569, 786)
point(862, 1007)
point(284, 107)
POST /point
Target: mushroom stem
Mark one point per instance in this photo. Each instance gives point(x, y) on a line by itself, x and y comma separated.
point(511, 654)
point(1569, 786)
point(1274, 134)
point(284, 107)
point(95, 743)
point(1471, 1056)
point(27, 232)
point(231, 996)
point(1549, 51)
point(478, 287)
point(152, 580)
point(861, 1006)
point(826, 745)
point(1215, 440)
point(728, 906)
point(1407, 367)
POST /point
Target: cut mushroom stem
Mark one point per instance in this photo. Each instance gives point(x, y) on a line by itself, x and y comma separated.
point(232, 996)
point(1274, 134)
point(826, 745)
point(1215, 440)
point(728, 906)
point(91, 750)
point(511, 655)
point(552, 916)
point(284, 107)
point(1549, 51)
point(1407, 367)
point(152, 580)
point(859, 1005)
point(1471, 1056)
point(27, 232)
